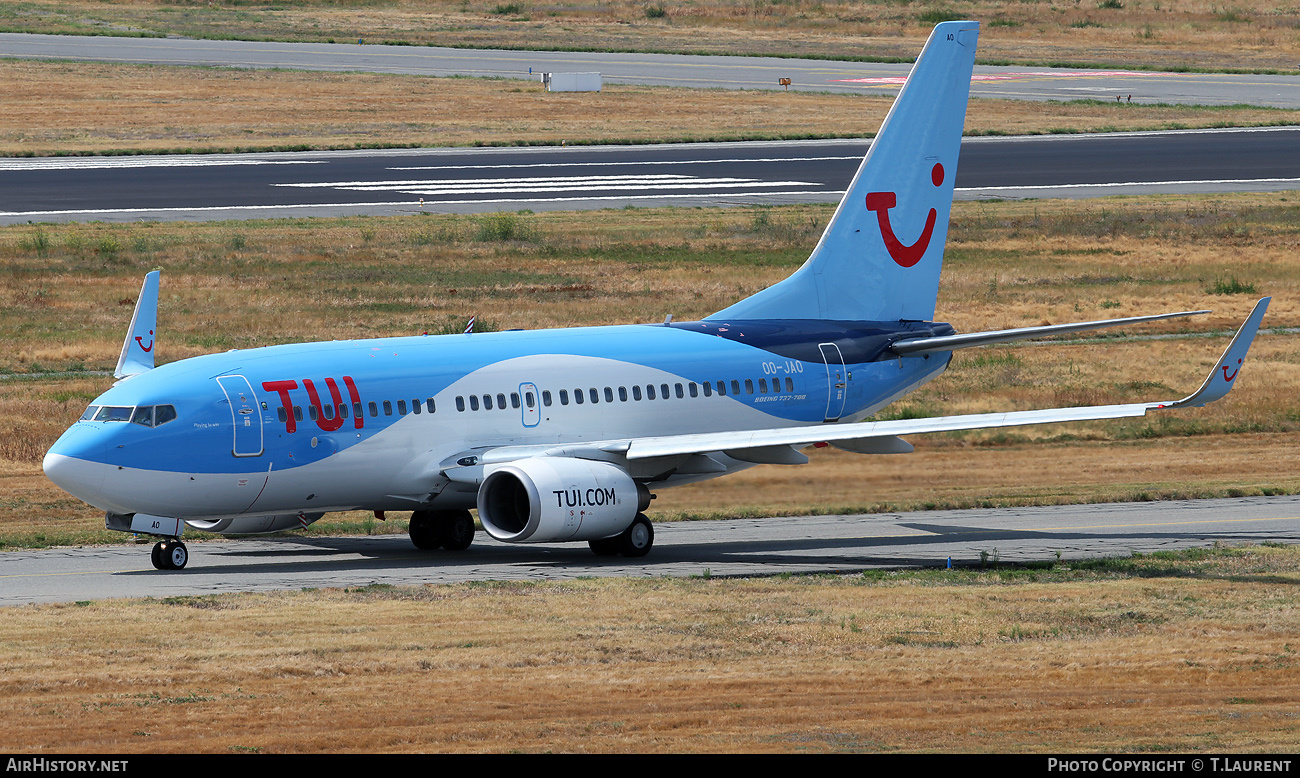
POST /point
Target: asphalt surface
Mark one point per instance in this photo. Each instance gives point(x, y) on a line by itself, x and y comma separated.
point(1018, 83)
point(816, 544)
point(388, 182)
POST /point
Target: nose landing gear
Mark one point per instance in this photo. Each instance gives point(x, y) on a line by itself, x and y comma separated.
point(170, 554)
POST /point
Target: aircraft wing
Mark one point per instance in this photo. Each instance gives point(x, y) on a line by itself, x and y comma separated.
point(1216, 385)
point(780, 445)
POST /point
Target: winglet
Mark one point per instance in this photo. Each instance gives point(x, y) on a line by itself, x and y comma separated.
point(137, 349)
point(1220, 381)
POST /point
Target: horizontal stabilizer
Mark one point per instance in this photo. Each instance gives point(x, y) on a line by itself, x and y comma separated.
point(970, 340)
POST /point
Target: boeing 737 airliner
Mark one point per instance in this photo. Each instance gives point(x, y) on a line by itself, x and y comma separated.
point(561, 435)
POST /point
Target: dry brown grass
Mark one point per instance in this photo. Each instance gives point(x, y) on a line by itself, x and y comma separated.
point(65, 108)
point(1161, 654)
point(1164, 34)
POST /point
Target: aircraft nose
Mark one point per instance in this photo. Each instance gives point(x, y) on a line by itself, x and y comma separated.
point(71, 464)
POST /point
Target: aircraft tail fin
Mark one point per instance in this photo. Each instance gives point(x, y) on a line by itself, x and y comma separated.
point(137, 349)
point(880, 256)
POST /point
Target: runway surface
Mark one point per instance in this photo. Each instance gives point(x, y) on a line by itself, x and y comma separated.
point(816, 544)
point(1017, 83)
point(392, 182)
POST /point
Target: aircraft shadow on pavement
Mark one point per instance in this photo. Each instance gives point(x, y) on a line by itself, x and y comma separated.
point(394, 552)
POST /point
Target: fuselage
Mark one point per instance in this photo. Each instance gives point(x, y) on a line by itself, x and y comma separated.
point(372, 424)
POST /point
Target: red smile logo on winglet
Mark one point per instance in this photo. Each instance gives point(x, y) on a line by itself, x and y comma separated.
point(1230, 378)
point(903, 254)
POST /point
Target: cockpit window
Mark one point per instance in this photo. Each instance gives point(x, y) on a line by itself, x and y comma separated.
point(144, 415)
point(154, 415)
point(114, 413)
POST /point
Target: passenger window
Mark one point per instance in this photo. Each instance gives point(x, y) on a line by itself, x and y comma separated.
point(636, 393)
point(708, 389)
point(415, 406)
point(528, 398)
point(564, 397)
point(749, 386)
point(622, 394)
point(326, 410)
point(735, 386)
point(694, 389)
point(311, 411)
point(663, 391)
point(649, 391)
point(297, 412)
point(356, 410)
point(762, 386)
point(595, 396)
point(546, 398)
point(722, 388)
point(473, 402)
point(487, 402)
point(680, 393)
point(514, 400)
point(789, 384)
point(388, 408)
point(501, 401)
point(428, 405)
point(460, 404)
point(577, 396)
point(401, 407)
point(282, 414)
point(374, 409)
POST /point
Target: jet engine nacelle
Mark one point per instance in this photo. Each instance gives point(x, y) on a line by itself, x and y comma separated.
point(549, 499)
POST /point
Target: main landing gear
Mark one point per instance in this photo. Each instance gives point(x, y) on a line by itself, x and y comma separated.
point(170, 554)
point(635, 541)
point(452, 530)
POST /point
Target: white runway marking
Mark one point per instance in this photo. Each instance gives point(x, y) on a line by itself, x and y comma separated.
point(582, 186)
point(856, 157)
point(1132, 183)
point(110, 163)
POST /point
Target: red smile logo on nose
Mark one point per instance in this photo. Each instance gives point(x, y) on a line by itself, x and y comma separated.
point(903, 254)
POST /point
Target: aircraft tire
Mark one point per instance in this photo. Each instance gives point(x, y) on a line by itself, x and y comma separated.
point(170, 555)
point(606, 546)
point(457, 530)
point(425, 531)
point(638, 538)
point(156, 556)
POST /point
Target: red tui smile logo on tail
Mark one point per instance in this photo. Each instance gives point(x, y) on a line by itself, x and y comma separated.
point(903, 254)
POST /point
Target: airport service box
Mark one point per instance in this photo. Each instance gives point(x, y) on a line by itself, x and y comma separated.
point(571, 82)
